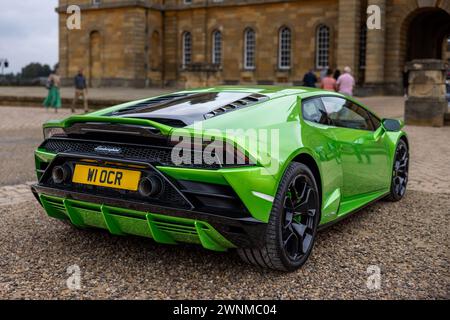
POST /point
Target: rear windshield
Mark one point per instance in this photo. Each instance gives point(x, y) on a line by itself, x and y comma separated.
point(186, 108)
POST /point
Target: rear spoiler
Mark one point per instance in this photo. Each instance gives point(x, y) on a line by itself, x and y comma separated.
point(122, 125)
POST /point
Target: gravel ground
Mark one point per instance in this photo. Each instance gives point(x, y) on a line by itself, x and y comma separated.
point(19, 137)
point(407, 240)
point(16, 154)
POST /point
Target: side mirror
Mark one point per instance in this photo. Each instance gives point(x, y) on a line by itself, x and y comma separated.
point(392, 124)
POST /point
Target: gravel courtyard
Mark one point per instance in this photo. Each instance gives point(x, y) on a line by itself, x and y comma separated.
point(408, 240)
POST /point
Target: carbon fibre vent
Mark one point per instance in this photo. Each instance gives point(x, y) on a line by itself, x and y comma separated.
point(238, 104)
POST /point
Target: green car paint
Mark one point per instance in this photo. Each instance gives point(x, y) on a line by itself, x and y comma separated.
point(354, 166)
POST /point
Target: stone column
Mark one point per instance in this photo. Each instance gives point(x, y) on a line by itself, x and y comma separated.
point(64, 50)
point(426, 103)
point(171, 38)
point(348, 34)
point(374, 73)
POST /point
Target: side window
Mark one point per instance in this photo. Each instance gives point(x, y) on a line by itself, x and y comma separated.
point(346, 114)
point(314, 111)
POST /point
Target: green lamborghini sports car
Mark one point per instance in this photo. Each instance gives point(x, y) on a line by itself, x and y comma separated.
point(259, 169)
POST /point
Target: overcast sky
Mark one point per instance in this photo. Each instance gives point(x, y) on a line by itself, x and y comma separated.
point(28, 32)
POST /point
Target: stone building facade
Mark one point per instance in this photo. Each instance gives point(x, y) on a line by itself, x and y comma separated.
point(190, 43)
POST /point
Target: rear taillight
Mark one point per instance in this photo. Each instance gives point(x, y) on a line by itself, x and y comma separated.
point(188, 151)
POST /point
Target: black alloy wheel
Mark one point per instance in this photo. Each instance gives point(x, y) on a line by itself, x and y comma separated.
point(292, 227)
point(300, 209)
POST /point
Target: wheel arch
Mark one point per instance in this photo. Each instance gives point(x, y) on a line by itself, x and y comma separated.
point(394, 143)
point(405, 139)
point(310, 162)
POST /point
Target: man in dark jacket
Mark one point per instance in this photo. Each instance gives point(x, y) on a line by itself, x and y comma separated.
point(80, 90)
point(310, 79)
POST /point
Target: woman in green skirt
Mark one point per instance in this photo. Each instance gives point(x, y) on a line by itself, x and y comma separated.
point(53, 98)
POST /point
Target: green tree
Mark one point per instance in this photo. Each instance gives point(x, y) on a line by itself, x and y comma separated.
point(35, 70)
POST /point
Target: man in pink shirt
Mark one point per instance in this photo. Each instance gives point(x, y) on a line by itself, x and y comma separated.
point(346, 82)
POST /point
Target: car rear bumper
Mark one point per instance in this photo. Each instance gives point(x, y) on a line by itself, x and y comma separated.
point(163, 224)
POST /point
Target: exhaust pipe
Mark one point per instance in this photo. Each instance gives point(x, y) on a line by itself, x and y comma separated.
point(150, 186)
point(61, 174)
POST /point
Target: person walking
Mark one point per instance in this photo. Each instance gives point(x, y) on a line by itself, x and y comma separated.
point(80, 90)
point(310, 79)
point(53, 98)
point(328, 82)
point(345, 83)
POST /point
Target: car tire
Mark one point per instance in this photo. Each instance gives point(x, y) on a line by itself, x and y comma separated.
point(400, 169)
point(290, 235)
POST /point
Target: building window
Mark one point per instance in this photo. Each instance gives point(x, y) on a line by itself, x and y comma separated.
point(284, 48)
point(217, 47)
point(322, 47)
point(249, 48)
point(187, 48)
point(362, 46)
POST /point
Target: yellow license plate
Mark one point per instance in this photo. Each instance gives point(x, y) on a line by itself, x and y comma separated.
point(106, 177)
